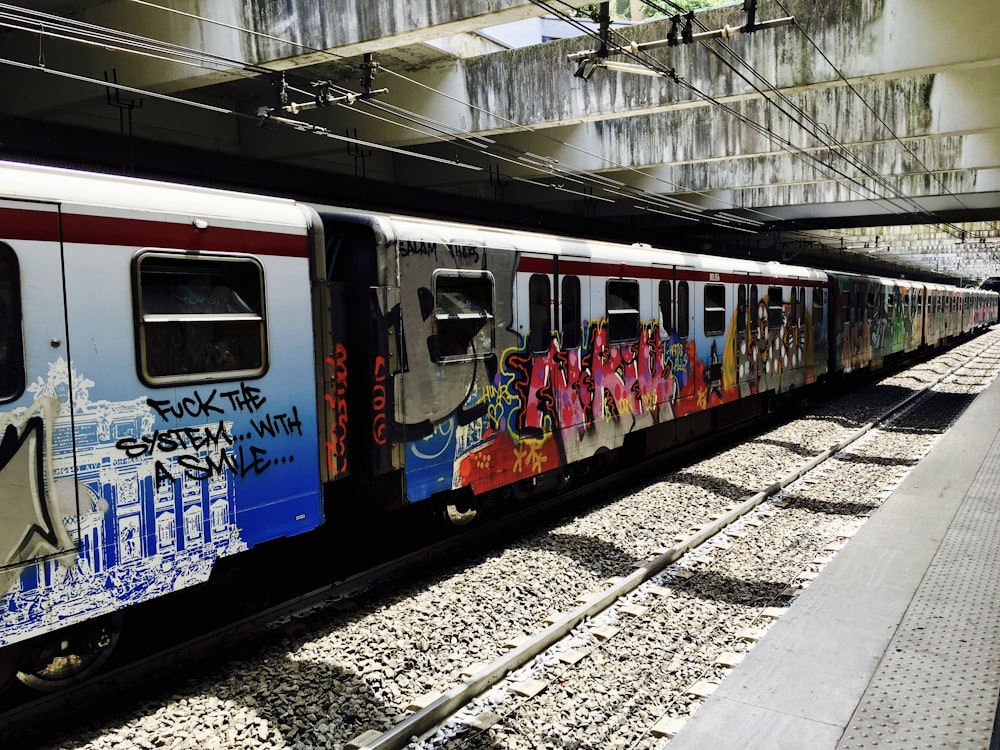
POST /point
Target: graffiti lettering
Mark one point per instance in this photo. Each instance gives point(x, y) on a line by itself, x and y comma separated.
point(247, 398)
point(191, 406)
point(417, 247)
point(200, 453)
point(202, 468)
point(379, 401)
point(336, 446)
point(171, 441)
point(278, 424)
point(464, 252)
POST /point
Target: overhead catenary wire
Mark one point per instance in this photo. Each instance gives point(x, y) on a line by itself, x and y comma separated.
point(563, 172)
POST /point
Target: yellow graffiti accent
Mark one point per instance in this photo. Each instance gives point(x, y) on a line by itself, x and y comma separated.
point(529, 457)
point(729, 376)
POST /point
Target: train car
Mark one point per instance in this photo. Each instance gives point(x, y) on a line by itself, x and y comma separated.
point(502, 361)
point(158, 399)
point(875, 320)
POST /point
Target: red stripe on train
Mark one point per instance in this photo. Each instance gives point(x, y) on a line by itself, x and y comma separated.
point(24, 224)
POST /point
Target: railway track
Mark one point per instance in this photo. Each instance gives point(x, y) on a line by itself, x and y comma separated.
point(548, 657)
point(377, 692)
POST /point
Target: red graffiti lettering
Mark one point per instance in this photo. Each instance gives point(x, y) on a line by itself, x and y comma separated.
point(336, 446)
point(379, 400)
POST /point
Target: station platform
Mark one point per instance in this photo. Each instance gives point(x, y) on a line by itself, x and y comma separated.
point(897, 643)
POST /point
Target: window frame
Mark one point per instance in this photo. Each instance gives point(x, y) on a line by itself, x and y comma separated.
point(540, 339)
point(488, 315)
point(15, 332)
point(683, 298)
point(775, 311)
point(622, 317)
point(717, 312)
point(143, 320)
point(665, 296)
point(570, 312)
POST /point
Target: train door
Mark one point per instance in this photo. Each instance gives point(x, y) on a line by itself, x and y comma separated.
point(536, 300)
point(572, 320)
point(681, 348)
point(39, 518)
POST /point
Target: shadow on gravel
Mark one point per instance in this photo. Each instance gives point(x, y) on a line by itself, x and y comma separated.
point(713, 586)
point(829, 507)
point(796, 448)
point(254, 699)
point(721, 487)
point(598, 556)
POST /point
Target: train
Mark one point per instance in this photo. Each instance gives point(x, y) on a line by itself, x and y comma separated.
point(188, 372)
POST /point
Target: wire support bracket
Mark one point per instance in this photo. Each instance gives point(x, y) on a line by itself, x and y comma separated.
point(588, 61)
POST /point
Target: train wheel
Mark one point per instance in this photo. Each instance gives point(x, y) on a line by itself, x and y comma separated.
point(70, 656)
point(462, 512)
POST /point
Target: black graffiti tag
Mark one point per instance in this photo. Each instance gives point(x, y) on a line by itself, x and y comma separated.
point(204, 452)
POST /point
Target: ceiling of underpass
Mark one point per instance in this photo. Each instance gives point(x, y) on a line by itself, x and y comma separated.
point(858, 135)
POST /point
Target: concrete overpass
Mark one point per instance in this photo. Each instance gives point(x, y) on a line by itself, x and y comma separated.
point(861, 134)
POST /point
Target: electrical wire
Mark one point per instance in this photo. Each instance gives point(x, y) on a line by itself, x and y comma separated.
point(561, 171)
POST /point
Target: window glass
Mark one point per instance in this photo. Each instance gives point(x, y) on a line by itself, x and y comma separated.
point(817, 307)
point(666, 307)
point(11, 340)
point(623, 311)
point(572, 313)
point(754, 308)
point(741, 308)
point(802, 306)
point(793, 316)
point(199, 318)
point(775, 311)
point(540, 313)
point(463, 316)
point(683, 309)
point(715, 309)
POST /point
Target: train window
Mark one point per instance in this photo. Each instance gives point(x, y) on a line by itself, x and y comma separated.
point(817, 307)
point(539, 313)
point(802, 306)
point(463, 316)
point(754, 308)
point(741, 308)
point(775, 309)
point(11, 340)
point(666, 307)
point(683, 309)
point(793, 316)
point(715, 309)
point(623, 311)
point(845, 308)
point(199, 319)
point(572, 312)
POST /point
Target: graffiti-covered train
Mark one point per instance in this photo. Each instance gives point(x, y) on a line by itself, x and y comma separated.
point(186, 373)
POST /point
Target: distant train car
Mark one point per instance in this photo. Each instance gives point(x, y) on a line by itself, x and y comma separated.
point(158, 401)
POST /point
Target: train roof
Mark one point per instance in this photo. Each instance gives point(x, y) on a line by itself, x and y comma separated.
point(91, 192)
point(397, 228)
